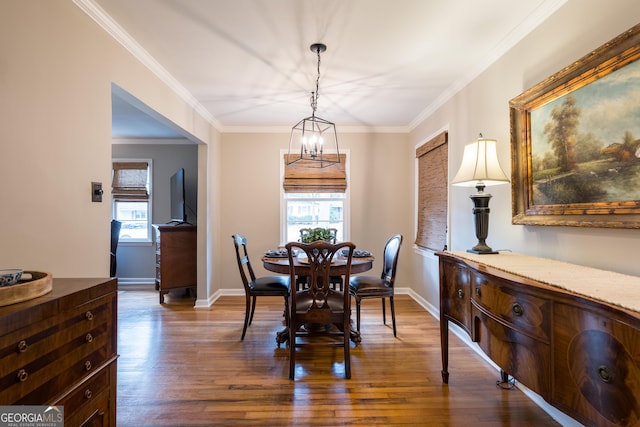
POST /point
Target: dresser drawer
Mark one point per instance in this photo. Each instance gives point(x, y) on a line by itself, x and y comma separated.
point(523, 357)
point(87, 392)
point(529, 314)
point(38, 361)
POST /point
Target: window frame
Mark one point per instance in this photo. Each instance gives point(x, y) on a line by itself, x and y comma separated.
point(346, 201)
point(149, 201)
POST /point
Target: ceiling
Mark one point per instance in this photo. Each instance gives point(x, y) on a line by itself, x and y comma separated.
point(247, 63)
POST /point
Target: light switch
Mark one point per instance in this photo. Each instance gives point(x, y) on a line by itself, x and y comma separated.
point(96, 192)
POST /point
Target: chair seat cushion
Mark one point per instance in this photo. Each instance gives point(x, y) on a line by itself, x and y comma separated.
point(270, 285)
point(365, 286)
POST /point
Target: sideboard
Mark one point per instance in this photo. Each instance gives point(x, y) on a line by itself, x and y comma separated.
point(60, 350)
point(569, 333)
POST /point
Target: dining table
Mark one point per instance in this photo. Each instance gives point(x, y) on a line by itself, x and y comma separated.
point(278, 262)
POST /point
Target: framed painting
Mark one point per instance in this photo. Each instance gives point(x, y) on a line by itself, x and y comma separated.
point(575, 142)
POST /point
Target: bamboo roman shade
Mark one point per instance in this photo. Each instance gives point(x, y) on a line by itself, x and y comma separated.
point(299, 177)
point(130, 181)
point(432, 193)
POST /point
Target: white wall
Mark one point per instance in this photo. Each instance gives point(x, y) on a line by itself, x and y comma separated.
point(573, 31)
point(55, 139)
point(380, 185)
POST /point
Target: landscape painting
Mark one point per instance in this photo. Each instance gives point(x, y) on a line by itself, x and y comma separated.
point(575, 142)
point(585, 146)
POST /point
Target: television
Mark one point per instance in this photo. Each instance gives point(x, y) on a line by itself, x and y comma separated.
point(178, 205)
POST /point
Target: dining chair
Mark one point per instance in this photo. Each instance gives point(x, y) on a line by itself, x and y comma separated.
point(363, 287)
point(255, 287)
point(318, 309)
point(336, 281)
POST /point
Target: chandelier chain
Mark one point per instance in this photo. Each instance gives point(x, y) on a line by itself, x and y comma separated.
point(316, 94)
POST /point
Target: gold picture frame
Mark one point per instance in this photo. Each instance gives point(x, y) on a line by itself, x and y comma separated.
point(575, 160)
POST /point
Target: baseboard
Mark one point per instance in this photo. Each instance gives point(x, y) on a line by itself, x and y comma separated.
point(124, 281)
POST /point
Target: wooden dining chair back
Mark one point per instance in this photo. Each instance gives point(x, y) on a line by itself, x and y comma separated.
point(306, 234)
point(362, 287)
point(319, 309)
point(255, 287)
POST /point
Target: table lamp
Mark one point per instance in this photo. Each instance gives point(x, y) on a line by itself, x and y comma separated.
point(480, 168)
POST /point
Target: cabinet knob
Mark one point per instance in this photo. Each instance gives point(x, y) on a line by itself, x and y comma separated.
point(22, 375)
point(22, 346)
point(604, 374)
point(478, 292)
point(517, 309)
point(89, 338)
point(87, 365)
point(87, 394)
point(89, 315)
point(460, 293)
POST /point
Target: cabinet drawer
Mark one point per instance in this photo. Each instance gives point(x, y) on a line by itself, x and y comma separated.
point(454, 294)
point(39, 361)
point(525, 358)
point(528, 313)
point(597, 362)
point(86, 393)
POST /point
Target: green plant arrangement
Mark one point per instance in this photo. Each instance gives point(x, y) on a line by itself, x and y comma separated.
point(311, 235)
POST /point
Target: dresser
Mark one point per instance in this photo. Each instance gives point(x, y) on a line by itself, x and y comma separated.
point(175, 258)
point(60, 349)
point(567, 332)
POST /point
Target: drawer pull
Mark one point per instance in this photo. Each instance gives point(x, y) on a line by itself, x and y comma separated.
point(87, 365)
point(88, 394)
point(478, 292)
point(22, 346)
point(89, 315)
point(89, 338)
point(22, 375)
point(604, 374)
point(517, 309)
point(460, 293)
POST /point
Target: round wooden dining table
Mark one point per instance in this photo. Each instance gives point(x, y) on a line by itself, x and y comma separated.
point(338, 268)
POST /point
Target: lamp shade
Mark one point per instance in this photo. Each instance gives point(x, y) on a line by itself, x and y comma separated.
point(480, 164)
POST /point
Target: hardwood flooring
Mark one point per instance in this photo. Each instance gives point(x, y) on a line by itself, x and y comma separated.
point(184, 367)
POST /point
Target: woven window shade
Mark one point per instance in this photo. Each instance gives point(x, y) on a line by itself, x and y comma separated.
point(130, 181)
point(432, 193)
point(298, 178)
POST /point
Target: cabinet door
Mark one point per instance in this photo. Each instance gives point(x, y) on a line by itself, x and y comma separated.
point(524, 357)
point(597, 366)
point(455, 299)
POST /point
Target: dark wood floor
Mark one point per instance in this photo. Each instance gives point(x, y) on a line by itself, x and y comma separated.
point(184, 367)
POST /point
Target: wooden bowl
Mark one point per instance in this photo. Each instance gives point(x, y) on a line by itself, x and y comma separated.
point(40, 284)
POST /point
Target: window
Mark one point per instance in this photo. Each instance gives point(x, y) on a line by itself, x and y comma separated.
point(314, 197)
point(433, 159)
point(131, 199)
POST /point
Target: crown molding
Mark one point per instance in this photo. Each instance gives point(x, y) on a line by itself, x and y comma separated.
point(118, 33)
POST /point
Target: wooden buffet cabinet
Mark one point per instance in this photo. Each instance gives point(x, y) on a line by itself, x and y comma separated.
point(580, 353)
point(175, 258)
point(60, 350)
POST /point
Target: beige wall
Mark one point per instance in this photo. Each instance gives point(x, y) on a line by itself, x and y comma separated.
point(573, 31)
point(380, 185)
point(56, 70)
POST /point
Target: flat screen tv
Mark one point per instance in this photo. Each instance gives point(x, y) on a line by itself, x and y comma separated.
point(178, 205)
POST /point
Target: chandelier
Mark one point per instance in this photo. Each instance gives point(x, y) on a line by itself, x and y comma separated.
point(314, 134)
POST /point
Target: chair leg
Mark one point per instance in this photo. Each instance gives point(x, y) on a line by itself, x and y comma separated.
point(247, 310)
point(347, 350)
point(292, 351)
point(253, 309)
point(358, 314)
point(384, 314)
point(393, 315)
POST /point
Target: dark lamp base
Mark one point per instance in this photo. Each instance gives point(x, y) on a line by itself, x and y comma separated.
point(489, 252)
